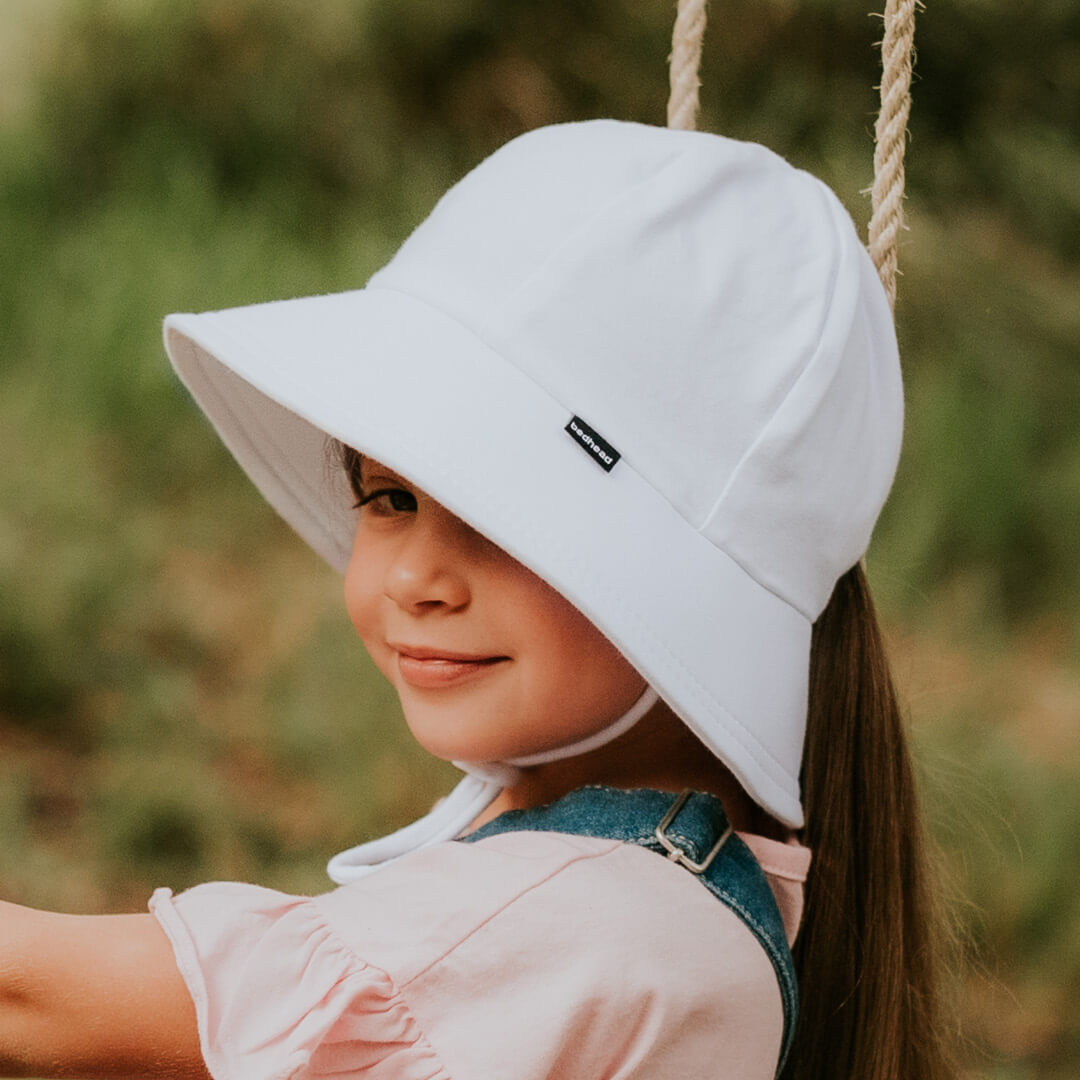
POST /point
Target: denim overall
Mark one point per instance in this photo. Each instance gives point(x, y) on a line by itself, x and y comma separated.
point(691, 830)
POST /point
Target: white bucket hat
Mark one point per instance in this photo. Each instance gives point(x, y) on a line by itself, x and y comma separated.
point(655, 366)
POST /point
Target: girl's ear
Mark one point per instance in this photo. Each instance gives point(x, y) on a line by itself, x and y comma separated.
point(93, 995)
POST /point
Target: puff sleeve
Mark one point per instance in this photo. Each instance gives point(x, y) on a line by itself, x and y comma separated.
point(278, 995)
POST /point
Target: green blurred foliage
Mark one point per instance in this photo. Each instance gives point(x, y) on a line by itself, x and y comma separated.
point(180, 694)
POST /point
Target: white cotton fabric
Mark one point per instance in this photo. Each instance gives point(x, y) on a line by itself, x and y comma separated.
point(706, 308)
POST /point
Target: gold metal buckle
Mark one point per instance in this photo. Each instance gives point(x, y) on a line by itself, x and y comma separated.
point(676, 854)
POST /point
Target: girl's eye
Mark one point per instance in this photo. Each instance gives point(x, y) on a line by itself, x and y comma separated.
point(389, 501)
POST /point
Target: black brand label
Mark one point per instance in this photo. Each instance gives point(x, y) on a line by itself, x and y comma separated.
point(600, 450)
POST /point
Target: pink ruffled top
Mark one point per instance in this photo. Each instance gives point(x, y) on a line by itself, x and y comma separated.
point(523, 956)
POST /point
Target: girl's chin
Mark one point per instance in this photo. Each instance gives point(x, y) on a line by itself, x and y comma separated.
point(467, 736)
point(480, 734)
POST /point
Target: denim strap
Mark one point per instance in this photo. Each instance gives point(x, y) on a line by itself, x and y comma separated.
point(733, 875)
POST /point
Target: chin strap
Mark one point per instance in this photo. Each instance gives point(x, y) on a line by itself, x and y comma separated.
point(476, 792)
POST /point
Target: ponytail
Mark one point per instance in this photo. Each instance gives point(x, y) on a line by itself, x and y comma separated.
point(867, 955)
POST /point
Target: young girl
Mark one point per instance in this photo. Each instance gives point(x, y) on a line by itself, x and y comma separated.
point(599, 452)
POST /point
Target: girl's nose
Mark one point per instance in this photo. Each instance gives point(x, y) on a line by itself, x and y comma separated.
point(429, 570)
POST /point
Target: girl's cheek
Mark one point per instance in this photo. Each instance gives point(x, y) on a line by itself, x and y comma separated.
point(358, 597)
point(362, 605)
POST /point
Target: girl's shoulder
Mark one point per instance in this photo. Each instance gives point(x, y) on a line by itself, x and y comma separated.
point(556, 953)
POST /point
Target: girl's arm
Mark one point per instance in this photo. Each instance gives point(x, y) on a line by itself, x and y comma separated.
point(92, 996)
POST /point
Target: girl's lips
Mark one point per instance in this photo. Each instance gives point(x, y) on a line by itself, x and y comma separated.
point(429, 670)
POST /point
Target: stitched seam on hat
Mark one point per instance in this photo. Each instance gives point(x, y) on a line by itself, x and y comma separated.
point(569, 240)
point(575, 236)
point(765, 428)
point(572, 239)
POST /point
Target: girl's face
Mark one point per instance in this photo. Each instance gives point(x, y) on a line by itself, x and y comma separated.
point(489, 661)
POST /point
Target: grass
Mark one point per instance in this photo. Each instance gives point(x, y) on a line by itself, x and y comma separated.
point(994, 725)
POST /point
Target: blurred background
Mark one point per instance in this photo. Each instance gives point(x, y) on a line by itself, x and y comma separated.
point(181, 696)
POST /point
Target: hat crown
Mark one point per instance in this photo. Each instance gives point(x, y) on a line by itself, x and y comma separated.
point(704, 306)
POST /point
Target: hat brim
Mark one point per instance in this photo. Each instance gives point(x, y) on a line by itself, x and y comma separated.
point(405, 383)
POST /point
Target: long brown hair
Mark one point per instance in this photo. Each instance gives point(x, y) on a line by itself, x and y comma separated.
point(868, 954)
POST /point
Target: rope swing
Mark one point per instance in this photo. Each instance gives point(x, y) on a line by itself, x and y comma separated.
point(890, 138)
point(890, 131)
point(685, 60)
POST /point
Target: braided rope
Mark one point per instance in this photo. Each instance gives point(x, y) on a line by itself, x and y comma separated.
point(890, 136)
point(890, 130)
point(685, 61)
